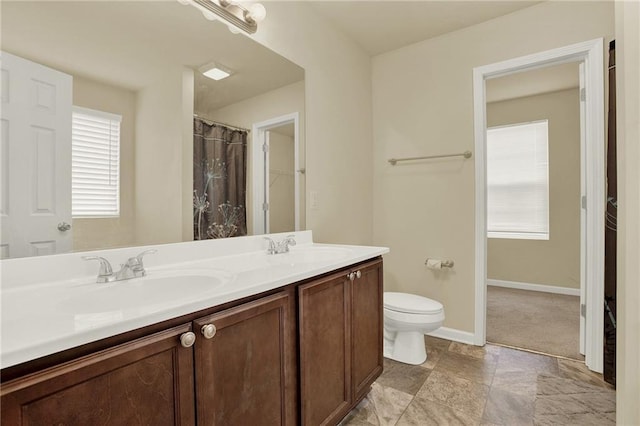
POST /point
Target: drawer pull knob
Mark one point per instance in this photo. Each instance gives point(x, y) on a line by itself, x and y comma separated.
point(358, 274)
point(208, 331)
point(188, 339)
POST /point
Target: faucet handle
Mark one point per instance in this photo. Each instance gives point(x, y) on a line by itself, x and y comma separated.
point(105, 270)
point(291, 240)
point(144, 253)
point(272, 245)
point(138, 259)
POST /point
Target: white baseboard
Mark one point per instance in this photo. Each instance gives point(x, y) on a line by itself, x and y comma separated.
point(535, 287)
point(453, 334)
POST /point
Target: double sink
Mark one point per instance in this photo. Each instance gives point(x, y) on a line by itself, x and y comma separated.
point(163, 288)
point(52, 303)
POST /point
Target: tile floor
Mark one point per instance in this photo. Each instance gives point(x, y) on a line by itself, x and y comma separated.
point(469, 385)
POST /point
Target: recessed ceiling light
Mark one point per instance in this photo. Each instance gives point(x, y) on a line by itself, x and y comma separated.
point(215, 71)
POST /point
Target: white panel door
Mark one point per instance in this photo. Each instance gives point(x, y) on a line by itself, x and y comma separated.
point(35, 169)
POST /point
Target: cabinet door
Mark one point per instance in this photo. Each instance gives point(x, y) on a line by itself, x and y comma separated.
point(366, 328)
point(325, 357)
point(148, 381)
point(246, 373)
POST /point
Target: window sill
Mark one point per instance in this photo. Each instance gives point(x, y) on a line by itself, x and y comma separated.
point(97, 217)
point(518, 235)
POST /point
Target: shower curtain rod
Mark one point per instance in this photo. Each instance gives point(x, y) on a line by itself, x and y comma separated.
point(221, 124)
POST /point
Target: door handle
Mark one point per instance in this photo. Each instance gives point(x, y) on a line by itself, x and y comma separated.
point(63, 227)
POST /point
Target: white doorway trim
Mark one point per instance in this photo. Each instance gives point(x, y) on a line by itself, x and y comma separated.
point(592, 54)
point(260, 170)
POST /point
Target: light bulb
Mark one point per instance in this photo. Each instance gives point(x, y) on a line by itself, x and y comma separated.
point(233, 29)
point(256, 13)
point(184, 2)
point(209, 15)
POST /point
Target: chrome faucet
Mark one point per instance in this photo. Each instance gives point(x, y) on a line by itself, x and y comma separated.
point(280, 246)
point(133, 268)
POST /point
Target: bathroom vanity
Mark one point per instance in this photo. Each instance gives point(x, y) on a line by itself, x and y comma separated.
point(286, 339)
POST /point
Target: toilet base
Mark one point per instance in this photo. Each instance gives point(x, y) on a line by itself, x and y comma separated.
point(405, 346)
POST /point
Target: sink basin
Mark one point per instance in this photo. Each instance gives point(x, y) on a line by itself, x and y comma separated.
point(158, 290)
point(309, 255)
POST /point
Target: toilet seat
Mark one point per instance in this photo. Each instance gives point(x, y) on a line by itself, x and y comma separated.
point(411, 304)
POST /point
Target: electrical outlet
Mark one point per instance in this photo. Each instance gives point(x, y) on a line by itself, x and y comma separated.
point(314, 203)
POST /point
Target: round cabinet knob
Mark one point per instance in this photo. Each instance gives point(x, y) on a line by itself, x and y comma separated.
point(63, 227)
point(358, 274)
point(208, 331)
point(351, 276)
point(188, 339)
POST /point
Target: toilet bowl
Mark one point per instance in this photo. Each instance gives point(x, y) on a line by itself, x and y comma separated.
point(407, 318)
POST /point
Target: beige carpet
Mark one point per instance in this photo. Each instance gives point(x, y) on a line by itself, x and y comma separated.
point(544, 322)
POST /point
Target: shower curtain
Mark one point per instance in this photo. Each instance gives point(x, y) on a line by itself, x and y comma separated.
point(219, 181)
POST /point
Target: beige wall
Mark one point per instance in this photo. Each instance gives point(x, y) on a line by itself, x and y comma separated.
point(338, 119)
point(275, 103)
point(188, 94)
point(423, 104)
point(555, 261)
point(628, 128)
point(281, 183)
point(94, 233)
point(162, 141)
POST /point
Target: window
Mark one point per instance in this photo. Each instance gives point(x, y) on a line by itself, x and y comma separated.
point(518, 181)
point(95, 163)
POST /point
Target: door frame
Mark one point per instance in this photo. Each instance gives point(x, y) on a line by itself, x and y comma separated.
point(260, 167)
point(592, 259)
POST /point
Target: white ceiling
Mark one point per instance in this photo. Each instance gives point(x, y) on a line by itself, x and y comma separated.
point(129, 43)
point(382, 26)
point(535, 82)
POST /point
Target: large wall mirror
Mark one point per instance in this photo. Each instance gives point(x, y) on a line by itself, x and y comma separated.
point(113, 136)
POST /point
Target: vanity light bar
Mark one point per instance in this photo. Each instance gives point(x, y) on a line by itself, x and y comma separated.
point(242, 18)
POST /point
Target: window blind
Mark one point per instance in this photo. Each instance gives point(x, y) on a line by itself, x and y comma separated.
point(518, 181)
point(95, 163)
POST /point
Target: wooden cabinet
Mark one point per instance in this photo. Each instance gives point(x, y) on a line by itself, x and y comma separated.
point(246, 372)
point(340, 327)
point(243, 368)
point(147, 381)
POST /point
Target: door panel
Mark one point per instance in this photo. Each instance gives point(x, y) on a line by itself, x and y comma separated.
point(36, 158)
point(256, 343)
point(367, 328)
point(147, 381)
point(325, 346)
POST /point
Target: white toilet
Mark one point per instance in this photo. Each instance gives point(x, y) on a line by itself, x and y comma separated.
point(407, 318)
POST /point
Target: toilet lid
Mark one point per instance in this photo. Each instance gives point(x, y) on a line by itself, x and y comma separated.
point(410, 303)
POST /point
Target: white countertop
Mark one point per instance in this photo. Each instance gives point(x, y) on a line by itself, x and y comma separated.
point(41, 317)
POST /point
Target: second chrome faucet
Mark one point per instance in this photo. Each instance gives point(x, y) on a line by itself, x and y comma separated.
point(133, 268)
point(280, 246)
